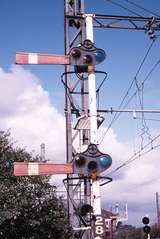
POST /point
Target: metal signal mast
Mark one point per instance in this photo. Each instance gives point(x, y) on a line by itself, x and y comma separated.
point(84, 161)
point(88, 161)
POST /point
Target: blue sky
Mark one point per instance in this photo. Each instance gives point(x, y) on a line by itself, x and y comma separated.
point(37, 26)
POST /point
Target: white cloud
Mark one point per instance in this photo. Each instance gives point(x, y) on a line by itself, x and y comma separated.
point(26, 109)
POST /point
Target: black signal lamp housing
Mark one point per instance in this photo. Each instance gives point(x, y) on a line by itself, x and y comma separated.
point(146, 228)
point(145, 220)
point(86, 54)
point(91, 161)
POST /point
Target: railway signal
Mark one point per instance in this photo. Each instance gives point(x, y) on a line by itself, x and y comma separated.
point(78, 56)
point(86, 54)
point(91, 162)
point(146, 228)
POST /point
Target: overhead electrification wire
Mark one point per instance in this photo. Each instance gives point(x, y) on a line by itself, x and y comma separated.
point(123, 7)
point(156, 120)
point(116, 116)
point(142, 8)
point(137, 155)
point(142, 83)
point(145, 129)
point(145, 57)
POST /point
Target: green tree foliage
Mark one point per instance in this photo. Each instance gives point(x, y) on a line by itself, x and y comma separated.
point(29, 207)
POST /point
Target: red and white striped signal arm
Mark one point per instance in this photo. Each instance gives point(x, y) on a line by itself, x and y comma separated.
point(25, 58)
point(39, 168)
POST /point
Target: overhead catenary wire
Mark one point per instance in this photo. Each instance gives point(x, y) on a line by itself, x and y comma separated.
point(116, 116)
point(142, 83)
point(142, 8)
point(137, 155)
point(133, 159)
point(125, 8)
point(145, 130)
point(150, 119)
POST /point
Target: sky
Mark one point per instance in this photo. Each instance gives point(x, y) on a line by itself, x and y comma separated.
point(32, 97)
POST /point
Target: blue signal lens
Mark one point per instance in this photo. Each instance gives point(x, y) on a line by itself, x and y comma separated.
point(100, 56)
point(104, 161)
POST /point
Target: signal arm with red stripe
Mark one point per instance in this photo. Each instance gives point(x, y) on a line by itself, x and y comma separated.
point(24, 58)
point(39, 168)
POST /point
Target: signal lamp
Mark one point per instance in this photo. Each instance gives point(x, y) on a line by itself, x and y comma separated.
point(145, 220)
point(104, 161)
point(76, 53)
point(87, 59)
point(147, 229)
point(80, 160)
point(92, 166)
point(100, 56)
point(86, 208)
